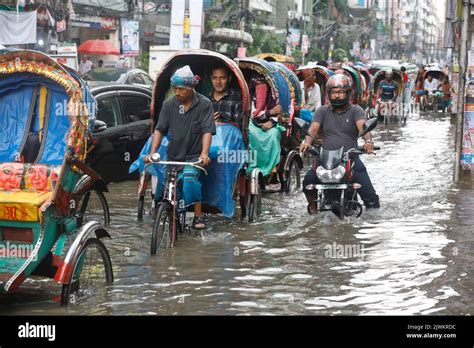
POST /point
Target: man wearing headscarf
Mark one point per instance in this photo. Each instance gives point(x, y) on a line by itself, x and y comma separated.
point(188, 119)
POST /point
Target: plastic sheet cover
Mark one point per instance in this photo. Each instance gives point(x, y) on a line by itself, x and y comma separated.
point(227, 153)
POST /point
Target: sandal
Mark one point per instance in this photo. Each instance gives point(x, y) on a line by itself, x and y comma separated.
point(199, 220)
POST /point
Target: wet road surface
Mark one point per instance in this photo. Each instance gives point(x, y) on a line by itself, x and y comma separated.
point(413, 256)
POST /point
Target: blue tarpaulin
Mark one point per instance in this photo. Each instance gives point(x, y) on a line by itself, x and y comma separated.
point(227, 153)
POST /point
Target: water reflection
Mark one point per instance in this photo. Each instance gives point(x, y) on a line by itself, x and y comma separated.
point(410, 257)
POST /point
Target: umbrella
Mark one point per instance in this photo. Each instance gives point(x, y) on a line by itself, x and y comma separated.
point(97, 47)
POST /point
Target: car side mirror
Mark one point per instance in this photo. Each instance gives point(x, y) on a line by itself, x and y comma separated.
point(302, 125)
point(368, 126)
point(134, 118)
point(99, 126)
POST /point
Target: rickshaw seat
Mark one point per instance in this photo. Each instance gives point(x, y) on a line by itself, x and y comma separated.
point(22, 206)
point(24, 188)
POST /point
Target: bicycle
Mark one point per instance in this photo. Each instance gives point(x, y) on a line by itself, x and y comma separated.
point(169, 214)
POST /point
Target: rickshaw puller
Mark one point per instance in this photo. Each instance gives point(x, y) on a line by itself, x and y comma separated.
point(188, 117)
point(388, 88)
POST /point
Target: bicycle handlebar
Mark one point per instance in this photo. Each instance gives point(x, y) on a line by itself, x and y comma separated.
point(173, 163)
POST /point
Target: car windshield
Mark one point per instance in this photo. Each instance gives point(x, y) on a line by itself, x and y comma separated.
point(106, 75)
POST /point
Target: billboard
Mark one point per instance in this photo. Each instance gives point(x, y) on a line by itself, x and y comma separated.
point(130, 37)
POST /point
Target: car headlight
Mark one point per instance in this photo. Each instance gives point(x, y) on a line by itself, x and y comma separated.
point(330, 176)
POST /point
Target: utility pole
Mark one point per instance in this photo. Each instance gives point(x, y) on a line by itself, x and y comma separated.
point(466, 15)
point(415, 19)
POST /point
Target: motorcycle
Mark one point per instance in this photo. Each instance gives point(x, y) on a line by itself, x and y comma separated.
point(335, 187)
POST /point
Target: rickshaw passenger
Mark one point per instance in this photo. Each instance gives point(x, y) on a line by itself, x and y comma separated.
point(188, 118)
point(227, 102)
point(431, 86)
point(388, 88)
point(265, 132)
point(227, 144)
point(312, 95)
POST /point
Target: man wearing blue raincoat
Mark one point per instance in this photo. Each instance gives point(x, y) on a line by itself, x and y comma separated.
point(227, 149)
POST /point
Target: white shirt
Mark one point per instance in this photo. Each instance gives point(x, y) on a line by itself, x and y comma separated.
point(85, 67)
point(431, 86)
point(120, 64)
point(314, 97)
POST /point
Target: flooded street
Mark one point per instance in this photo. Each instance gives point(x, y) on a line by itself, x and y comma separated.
point(413, 256)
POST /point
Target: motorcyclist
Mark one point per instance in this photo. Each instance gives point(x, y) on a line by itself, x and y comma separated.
point(340, 124)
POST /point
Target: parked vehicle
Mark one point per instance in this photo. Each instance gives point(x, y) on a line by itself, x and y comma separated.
point(119, 76)
point(122, 128)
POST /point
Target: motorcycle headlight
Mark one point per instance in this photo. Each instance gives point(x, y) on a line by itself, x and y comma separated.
point(330, 176)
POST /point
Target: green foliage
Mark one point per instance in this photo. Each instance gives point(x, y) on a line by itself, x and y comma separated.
point(315, 54)
point(144, 60)
point(265, 42)
point(339, 54)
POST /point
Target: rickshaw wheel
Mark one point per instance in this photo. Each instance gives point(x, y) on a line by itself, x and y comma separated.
point(93, 207)
point(88, 274)
point(293, 178)
point(161, 235)
point(255, 205)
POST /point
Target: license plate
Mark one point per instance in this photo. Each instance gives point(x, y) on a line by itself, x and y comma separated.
point(331, 187)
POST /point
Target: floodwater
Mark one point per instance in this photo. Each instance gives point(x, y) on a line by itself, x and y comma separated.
point(413, 256)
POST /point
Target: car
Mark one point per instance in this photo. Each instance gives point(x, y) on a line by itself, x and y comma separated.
point(121, 129)
point(118, 76)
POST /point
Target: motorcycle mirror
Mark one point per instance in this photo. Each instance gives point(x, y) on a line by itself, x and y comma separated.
point(369, 125)
point(99, 126)
point(301, 124)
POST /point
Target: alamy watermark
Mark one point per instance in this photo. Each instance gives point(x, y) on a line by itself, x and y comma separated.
point(344, 251)
point(16, 250)
point(237, 156)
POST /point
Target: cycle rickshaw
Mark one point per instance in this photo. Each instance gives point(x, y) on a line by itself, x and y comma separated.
point(322, 76)
point(286, 162)
point(432, 97)
point(389, 108)
point(46, 190)
point(226, 178)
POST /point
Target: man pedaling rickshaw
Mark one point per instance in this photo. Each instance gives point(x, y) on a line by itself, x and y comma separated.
point(388, 89)
point(188, 118)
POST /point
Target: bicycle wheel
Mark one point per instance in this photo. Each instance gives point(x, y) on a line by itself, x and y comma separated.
point(255, 205)
point(293, 178)
point(92, 271)
point(162, 233)
point(93, 206)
